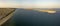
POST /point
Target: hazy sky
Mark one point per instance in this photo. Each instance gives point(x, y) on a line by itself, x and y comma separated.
point(30, 3)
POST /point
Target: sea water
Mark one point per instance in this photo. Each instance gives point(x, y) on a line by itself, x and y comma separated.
point(24, 17)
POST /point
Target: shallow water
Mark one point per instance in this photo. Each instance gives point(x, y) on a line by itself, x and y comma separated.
point(34, 18)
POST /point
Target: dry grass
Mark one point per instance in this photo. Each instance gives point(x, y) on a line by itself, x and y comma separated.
point(5, 11)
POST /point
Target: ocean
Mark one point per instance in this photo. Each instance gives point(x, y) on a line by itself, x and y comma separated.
point(23, 17)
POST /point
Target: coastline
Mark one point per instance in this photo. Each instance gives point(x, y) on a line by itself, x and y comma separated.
point(6, 17)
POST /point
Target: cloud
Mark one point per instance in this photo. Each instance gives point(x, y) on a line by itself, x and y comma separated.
point(50, 5)
point(30, 4)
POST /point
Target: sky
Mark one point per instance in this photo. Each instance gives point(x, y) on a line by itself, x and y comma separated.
point(30, 3)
